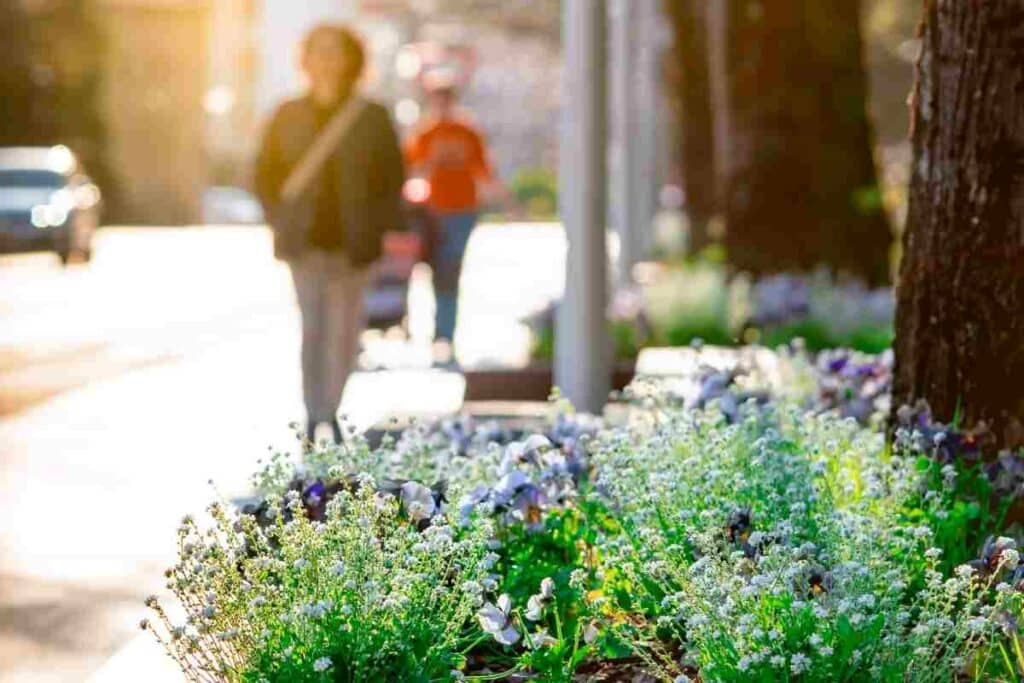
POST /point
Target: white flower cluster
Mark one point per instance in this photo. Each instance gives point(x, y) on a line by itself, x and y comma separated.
point(780, 534)
point(368, 576)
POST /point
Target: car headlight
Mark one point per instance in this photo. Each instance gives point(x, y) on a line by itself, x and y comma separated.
point(49, 215)
point(54, 213)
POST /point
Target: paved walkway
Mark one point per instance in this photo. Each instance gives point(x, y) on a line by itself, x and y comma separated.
point(171, 360)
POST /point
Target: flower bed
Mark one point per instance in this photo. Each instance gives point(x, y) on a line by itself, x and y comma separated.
point(746, 532)
point(684, 302)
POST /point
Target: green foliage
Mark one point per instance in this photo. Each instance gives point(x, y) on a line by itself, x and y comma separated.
point(696, 300)
point(960, 506)
point(627, 341)
point(868, 200)
point(536, 190)
point(817, 336)
point(543, 343)
point(1003, 662)
point(363, 595)
point(776, 548)
point(531, 555)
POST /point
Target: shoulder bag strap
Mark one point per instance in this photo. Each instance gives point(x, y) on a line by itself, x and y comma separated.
point(325, 144)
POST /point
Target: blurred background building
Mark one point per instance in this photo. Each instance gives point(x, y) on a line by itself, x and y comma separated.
point(152, 99)
point(170, 94)
point(164, 99)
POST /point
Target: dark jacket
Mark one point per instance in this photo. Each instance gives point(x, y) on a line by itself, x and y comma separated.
point(369, 176)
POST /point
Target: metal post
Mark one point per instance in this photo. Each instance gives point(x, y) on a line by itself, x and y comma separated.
point(582, 368)
point(624, 119)
point(648, 121)
point(636, 50)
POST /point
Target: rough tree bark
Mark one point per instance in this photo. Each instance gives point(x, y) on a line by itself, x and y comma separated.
point(691, 84)
point(802, 189)
point(960, 302)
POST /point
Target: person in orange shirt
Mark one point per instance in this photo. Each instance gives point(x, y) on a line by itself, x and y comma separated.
point(449, 153)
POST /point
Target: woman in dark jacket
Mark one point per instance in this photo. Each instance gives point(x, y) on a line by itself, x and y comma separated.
point(332, 231)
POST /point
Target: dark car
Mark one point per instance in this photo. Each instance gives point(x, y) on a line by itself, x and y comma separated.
point(47, 203)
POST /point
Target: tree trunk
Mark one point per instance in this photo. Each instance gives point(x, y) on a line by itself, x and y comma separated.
point(802, 189)
point(691, 81)
point(16, 85)
point(960, 302)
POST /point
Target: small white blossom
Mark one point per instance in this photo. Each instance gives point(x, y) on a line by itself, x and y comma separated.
point(534, 608)
point(799, 663)
point(964, 571)
point(977, 624)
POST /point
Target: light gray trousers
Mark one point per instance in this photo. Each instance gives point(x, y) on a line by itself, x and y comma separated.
point(330, 294)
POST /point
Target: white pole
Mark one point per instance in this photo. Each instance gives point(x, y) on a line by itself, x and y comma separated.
point(650, 42)
point(624, 119)
point(636, 50)
point(582, 368)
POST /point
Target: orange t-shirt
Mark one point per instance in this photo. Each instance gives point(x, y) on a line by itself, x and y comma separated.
point(454, 157)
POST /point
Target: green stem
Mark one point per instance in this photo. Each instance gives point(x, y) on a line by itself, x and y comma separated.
point(476, 642)
point(493, 677)
point(558, 620)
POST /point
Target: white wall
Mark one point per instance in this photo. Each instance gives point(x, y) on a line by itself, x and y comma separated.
point(280, 26)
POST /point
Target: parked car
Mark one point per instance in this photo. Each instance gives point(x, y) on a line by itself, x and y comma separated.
point(47, 203)
point(226, 205)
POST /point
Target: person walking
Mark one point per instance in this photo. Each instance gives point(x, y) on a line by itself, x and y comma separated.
point(329, 175)
point(449, 152)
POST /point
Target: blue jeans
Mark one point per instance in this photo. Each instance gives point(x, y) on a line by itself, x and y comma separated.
point(447, 265)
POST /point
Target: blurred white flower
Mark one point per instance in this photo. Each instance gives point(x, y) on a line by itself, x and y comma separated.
point(541, 638)
point(534, 608)
point(494, 620)
point(418, 501)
